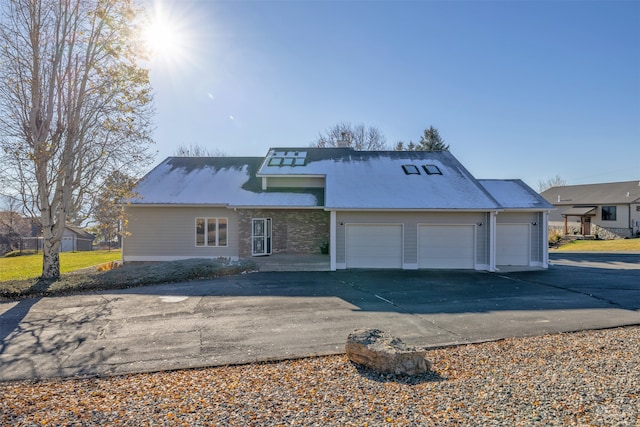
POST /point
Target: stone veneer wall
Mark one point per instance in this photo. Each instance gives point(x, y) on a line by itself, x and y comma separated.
point(610, 233)
point(294, 231)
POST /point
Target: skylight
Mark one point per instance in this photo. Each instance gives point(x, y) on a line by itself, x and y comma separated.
point(411, 169)
point(432, 170)
point(288, 158)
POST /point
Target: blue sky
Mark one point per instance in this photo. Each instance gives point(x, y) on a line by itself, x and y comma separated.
point(519, 89)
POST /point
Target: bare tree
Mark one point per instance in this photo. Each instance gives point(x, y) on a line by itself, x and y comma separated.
point(198, 151)
point(74, 105)
point(554, 181)
point(358, 137)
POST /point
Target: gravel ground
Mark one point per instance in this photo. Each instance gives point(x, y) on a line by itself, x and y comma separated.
point(580, 379)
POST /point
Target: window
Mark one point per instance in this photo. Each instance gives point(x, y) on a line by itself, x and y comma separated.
point(275, 161)
point(432, 170)
point(411, 169)
point(211, 231)
point(608, 213)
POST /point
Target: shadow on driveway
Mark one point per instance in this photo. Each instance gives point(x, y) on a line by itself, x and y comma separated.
point(273, 316)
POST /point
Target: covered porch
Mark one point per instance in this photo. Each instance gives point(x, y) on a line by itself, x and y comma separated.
point(584, 215)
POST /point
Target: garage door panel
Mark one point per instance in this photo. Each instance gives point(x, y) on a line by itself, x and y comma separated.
point(446, 246)
point(512, 244)
point(374, 246)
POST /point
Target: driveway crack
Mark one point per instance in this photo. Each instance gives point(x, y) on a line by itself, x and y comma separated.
point(575, 291)
point(405, 311)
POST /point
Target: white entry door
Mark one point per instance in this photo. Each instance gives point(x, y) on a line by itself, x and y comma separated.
point(374, 246)
point(260, 236)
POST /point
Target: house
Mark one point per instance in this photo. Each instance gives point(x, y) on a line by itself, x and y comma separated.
point(73, 239)
point(76, 239)
point(609, 210)
point(373, 209)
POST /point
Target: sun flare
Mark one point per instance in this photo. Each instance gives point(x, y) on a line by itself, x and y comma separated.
point(162, 38)
point(166, 36)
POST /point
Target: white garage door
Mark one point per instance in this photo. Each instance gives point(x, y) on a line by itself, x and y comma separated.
point(512, 244)
point(374, 246)
point(446, 246)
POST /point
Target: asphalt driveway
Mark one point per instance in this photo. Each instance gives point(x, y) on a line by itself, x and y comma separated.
point(268, 316)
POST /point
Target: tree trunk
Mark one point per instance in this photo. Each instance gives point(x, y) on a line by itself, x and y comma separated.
point(52, 240)
point(51, 259)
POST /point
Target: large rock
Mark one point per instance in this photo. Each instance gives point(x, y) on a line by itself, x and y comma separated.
point(385, 353)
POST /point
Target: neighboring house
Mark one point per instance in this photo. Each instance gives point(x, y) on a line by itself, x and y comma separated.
point(74, 239)
point(374, 209)
point(610, 210)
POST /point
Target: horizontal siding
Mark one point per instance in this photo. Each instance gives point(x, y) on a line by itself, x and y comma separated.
point(411, 220)
point(170, 232)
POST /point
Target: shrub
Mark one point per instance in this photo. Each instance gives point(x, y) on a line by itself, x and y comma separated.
point(555, 236)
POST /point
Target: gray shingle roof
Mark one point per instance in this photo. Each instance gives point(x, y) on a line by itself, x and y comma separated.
point(514, 194)
point(594, 194)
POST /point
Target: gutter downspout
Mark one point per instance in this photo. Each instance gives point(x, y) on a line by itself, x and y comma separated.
point(332, 240)
point(545, 239)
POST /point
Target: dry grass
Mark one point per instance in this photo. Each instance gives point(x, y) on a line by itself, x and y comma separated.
point(622, 245)
point(125, 277)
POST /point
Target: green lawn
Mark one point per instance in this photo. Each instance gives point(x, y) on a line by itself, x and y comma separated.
point(622, 245)
point(30, 266)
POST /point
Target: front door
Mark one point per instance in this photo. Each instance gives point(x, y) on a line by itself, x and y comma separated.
point(260, 236)
point(586, 226)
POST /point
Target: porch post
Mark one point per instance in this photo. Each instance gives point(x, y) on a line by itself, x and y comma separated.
point(332, 240)
point(566, 225)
